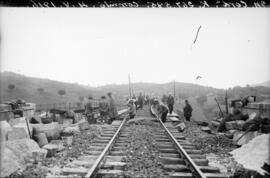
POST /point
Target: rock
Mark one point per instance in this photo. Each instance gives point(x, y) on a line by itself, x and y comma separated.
point(41, 139)
point(254, 154)
point(132, 121)
point(206, 129)
point(215, 123)
point(51, 148)
point(252, 116)
point(71, 130)
point(4, 129)
point(229, 135)
point(14, 155)
point(265, 128)
point(202, 123)
point(234, 125)
point(67, 122)
point(40, 154)
point(232, 131)
point(17, 133)
point(83, 125)
point(181, 127)
point(51, 130)
point(35, 120)
point(246, 138)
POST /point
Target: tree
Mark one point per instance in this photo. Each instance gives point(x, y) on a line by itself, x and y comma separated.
point(11, 86)
point(61, 92)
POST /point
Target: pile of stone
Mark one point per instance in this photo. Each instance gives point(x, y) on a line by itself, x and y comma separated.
point(242, 127)
point(30, 139)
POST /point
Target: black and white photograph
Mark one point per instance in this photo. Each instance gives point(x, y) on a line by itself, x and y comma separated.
point(134, 92)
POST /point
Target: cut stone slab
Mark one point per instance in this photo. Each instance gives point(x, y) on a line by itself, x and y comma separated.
point(215, 123)
point(232, 125)
point(206, 129)
point(41, 139)
point(52, 149)
point(202, 123)
point(17, 133)
point(181, 127)
point(51, 130)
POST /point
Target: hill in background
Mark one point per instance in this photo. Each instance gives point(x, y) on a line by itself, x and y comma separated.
point(45, 91)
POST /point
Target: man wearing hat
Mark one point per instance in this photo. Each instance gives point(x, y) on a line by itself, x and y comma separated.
point(89, 110)
point(131, 108)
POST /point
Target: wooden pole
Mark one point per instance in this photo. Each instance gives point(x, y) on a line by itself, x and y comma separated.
point(129, 85)
point(226, 102)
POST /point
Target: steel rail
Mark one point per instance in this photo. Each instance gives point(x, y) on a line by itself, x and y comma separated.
point(190, 163)
point(96, 164)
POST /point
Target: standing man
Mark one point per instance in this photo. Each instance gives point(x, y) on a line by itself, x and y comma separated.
point(170, 102)
point(104, 109)
point(89, 110)
point(112, 108)
point(131, 109)
point(140, 101)
point(187, 111)
point(162, 110)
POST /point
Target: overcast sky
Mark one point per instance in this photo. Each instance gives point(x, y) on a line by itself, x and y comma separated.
point(101, 46)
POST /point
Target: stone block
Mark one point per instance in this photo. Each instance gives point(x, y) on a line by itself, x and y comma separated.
point(181, 127)
point(215, 123)
point(232, 125)
point(206, 129)
point(41, 139)
point(71, 130)
point(202, 123)
point(51, 130)
point(67, 122)
point(51, 148)
point(17, 133)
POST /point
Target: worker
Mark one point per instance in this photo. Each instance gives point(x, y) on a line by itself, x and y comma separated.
point(140, 101)
point(104, 109)
point(162, 110)
point(136, 101)
point(170, 102)
point(131, 109)
point(187, 110)
point(89, 110)
point(113, 114)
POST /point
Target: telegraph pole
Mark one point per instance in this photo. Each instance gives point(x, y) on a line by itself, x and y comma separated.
point(129, 85)
point(174, 89)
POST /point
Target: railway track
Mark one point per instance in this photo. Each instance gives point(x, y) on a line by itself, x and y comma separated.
point(178, 157)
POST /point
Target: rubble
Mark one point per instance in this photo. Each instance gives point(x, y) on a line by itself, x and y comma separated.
point(206, 129)
point(71, 130)
point(232, 125)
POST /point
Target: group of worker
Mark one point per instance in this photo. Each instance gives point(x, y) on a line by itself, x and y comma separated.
point(108, 111)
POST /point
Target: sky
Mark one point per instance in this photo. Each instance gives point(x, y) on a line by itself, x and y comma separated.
point(97, 46)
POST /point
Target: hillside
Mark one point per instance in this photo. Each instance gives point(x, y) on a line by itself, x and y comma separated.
point(27, 88)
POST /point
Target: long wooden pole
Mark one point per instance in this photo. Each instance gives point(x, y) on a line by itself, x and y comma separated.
point(129, 85)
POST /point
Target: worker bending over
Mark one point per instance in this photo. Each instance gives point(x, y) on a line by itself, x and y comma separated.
point(162, 110)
